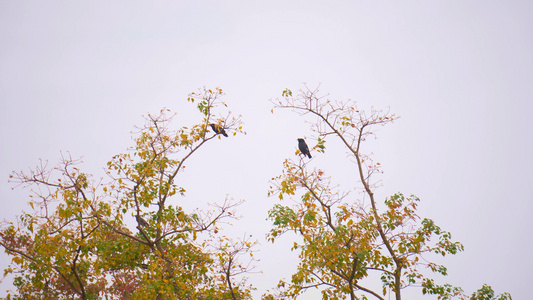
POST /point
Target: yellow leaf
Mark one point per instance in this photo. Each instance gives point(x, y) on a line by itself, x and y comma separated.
point(17, 259)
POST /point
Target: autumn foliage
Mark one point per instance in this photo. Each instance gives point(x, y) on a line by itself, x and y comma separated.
point(341, 240)
point(128, 236)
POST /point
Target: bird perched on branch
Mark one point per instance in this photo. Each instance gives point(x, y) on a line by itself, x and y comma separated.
point(303, 147)
point(218, 129)
point(142, 222)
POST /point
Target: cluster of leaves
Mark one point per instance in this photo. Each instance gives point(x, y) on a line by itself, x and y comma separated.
point(487, 293)
point(128, 238)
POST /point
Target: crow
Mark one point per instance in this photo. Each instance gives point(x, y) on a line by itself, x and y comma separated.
point(218, 129)
point(303, 147)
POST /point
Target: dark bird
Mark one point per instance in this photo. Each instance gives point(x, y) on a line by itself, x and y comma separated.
point(218, 129)
point(142, 222)
point(303, 147)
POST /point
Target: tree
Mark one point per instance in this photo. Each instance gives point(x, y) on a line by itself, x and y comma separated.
point(128, 237)
point(342, 241)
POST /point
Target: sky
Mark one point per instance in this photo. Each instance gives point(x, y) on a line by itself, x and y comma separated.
point(78, 76)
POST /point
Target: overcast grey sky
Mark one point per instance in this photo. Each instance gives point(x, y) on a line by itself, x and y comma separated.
point(77, 76)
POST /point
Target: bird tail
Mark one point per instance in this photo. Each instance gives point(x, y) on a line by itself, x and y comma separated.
point(309, 154)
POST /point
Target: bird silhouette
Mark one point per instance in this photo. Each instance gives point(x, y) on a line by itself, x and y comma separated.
point(303, 147)
point(142, 222)
point(218, 129)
